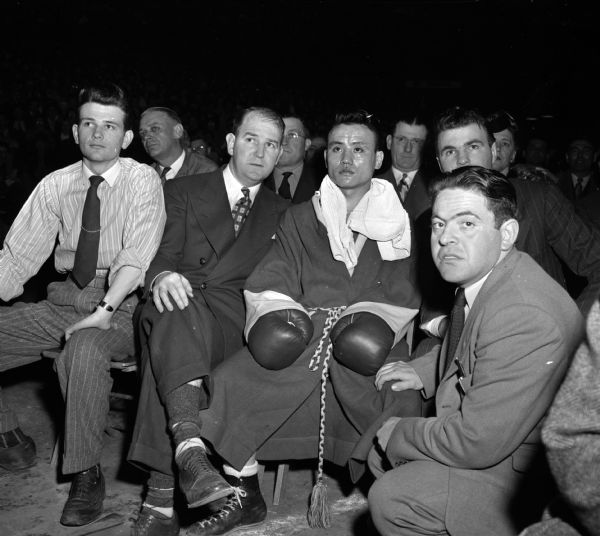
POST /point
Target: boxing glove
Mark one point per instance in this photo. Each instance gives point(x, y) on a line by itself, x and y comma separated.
point(278, 338)
point(362, 342)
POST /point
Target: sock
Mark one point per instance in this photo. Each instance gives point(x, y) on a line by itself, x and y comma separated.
point(250, 469)
point(160, 493)
point(188, 444)
point(183, 406)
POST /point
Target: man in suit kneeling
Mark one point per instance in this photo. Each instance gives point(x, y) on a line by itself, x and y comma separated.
point(475, 468)
point(218, 228)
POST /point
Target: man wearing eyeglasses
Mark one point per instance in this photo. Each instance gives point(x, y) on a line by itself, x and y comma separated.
point(293, 178)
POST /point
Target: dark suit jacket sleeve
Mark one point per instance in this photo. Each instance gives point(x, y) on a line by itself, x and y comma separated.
point(521, 358)
point(576, 243)
point(173, 240)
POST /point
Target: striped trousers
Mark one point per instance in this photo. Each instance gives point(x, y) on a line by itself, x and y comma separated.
point(83, 366)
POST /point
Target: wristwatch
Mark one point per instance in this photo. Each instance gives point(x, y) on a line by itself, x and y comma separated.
point(104, 305)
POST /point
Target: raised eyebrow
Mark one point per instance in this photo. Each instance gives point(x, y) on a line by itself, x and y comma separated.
point(475, 140)
point(455, 216)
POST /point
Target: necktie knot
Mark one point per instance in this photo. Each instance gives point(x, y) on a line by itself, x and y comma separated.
point(163, 174)
point(95, 180)
point(284, 190)
point(403, 185)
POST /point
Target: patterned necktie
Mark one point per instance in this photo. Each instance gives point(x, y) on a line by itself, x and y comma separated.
point(284, 190)
point(457, 322)
point(403, 186)
point(240, 211)
point(163, 175)
point(86, 255)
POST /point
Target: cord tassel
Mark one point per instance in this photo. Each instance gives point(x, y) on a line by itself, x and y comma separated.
point(318, 514)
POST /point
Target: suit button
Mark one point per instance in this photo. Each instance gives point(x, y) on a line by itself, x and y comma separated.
point(202, 260)
point(203, 286)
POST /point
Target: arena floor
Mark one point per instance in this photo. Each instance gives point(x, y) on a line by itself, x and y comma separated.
point(31, 501)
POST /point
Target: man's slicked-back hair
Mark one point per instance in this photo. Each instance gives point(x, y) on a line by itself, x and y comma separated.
point(264, 113)
point(410, 116)
point(498, 191)
point(457, 117)
point(108, 94)
point(169, 112)
point(359, 117)
point(501, 120)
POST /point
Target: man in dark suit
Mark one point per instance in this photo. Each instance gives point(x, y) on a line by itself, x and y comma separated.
point(161, 132)
point(581, 177)
point(194, 314)
point(477, 466)
point(292, 177)
point(406, 143)
point(550, 229)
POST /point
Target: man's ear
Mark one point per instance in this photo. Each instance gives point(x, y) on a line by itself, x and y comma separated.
point(437, 158)
point(127, 139)
point(307, 144)
point(178, 131)
point(378, 159)
point(76, 134)
point(494, 151)
point(509, 231)
point(230, 139)
point(388, 142)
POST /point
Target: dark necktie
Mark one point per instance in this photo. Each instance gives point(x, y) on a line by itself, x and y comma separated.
point(284, 190)
point(240, 211)
point(578, 187)
point(163, 175)
point(86, 255)
point(403, 186)
point(457, 321)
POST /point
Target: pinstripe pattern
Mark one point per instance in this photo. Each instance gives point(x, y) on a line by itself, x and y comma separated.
point(84, 365)
point(132, 219)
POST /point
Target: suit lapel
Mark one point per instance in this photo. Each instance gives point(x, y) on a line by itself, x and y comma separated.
point(211, 209)
point(257, 230)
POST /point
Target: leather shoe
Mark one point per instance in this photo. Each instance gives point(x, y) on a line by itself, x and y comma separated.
point(245, 509)
point(153, 523)
point(21, 452)
point(84, 504)
point(198, 479)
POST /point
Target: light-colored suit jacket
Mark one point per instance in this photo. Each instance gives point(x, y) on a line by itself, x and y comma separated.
point(515, 348)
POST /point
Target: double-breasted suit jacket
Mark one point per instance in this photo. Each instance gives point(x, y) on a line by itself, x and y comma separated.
point(181, 345)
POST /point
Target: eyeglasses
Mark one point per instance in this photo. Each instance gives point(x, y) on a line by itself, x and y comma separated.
point(293, 135)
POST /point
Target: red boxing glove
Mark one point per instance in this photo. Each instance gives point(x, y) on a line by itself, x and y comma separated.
point(278, 338)
point(362, 342)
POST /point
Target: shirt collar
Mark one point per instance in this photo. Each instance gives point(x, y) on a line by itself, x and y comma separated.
point(110, 176)
point(234, 187)
point(410, 175)
point(175, 166)
point(472, 290)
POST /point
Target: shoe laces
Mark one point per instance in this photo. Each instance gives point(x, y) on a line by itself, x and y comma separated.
point(198, 464)
point(141, 524)
point(233, 502)
point(82, 484)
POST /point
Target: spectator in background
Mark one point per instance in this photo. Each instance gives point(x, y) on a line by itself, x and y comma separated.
point(162, 132)
point(581, 176)
point(293, 178)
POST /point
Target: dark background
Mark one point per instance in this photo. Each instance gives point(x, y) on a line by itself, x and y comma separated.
point(534, 58)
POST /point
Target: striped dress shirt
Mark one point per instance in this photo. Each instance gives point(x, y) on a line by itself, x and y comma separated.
point(132, 219)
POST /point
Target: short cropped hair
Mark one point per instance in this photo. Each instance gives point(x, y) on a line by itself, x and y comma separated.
point(359, 117)
point(498, 191)
point(502, 120)
point(169, 112)
point(265, 113)
point(457, 117)
point(108, 94)
point(410, 116)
